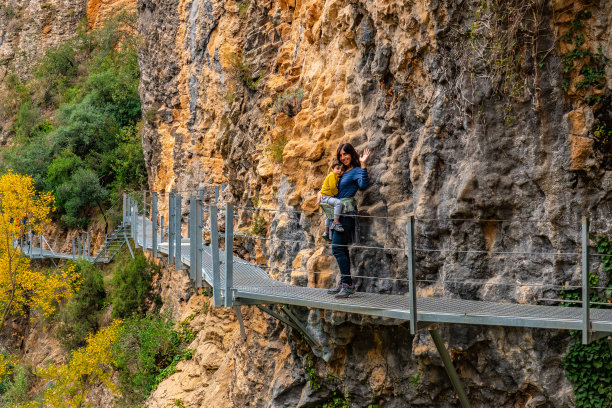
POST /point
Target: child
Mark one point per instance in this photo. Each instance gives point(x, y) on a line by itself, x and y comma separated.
point(328, 191)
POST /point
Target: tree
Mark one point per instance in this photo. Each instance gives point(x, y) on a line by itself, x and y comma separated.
point(22, 289)
point(88, 367)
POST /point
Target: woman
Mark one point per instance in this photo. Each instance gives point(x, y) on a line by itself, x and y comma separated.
point(355, 177)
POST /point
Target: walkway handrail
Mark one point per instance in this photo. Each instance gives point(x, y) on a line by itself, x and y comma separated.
point(225, 272)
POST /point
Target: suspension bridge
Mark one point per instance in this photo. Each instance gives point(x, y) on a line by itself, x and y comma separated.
point(236, 282)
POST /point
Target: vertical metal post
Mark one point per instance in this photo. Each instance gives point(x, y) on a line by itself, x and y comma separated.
point(31, 237)
point(192, 239)
point(124, 209)
point(88, 244)
point(79, 244)
point(144, 221)
point(214, 253)
point(135, 224)
point(216, 194)
point(411, 277)
point(450, 368)
point(154, 222)
point(131, 216)
point(198, 222)
point(201, 192)
point(171, 226)
point(229, 253)
point(161, 228)
point(178, 262)
point(40, 239)
point(586, 292)
point(73, 249)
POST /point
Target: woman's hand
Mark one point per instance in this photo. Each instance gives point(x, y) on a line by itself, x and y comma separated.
point(319, 198)
point(364, 157)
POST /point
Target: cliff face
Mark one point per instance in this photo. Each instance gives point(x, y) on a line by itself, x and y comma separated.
point(471, 113)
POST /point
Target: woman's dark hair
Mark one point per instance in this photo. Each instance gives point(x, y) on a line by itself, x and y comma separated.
point(348, 148)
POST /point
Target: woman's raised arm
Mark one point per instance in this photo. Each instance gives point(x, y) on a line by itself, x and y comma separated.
point(364, 158)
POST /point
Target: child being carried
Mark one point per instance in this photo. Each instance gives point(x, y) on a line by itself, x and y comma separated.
point(328, 191)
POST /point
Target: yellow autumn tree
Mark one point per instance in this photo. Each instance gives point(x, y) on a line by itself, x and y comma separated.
point(89, 366)
point(22, 289)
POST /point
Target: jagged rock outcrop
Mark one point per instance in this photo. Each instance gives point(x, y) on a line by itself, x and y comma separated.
point(469, 114)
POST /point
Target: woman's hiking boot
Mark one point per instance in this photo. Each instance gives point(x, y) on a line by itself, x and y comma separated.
point(335, 289)
point(327, 236)
point(346, 291)
point(336, 226)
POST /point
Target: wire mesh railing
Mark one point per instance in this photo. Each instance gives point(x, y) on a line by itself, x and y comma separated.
point(190, 211)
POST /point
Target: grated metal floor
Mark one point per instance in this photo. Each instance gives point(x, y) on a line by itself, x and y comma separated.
point(253, 284)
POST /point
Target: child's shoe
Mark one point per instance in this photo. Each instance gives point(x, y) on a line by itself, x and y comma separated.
point(326, 236)
point(336, 226)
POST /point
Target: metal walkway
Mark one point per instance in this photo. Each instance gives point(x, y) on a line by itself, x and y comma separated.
point(243, 283)
point(247, 284)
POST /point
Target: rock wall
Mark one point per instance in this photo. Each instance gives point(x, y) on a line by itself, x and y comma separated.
point(471, 113)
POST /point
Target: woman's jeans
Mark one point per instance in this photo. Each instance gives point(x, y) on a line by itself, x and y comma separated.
point(340, 242)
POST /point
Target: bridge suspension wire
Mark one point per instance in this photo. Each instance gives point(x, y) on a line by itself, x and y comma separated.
point(417, 249)
point(484, 283)
point(319, 213)
point(405, 218)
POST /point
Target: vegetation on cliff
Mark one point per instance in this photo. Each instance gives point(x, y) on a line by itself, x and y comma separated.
point(76, 122)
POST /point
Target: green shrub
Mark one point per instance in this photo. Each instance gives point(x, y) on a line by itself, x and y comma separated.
point(79, 317)
point(146, 351)
point(17, 93)
point(133, 287)
point(62, 168)
point(244, 71)
point(127, 160)
point(79, 196)
point(28, 119)
point(85, 128)
point(290, 102)
point(32, 158)
point(58, 68)
point(276, 147)
point(14, 390)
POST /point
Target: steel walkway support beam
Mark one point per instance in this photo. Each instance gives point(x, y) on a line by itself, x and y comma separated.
point(411, 272)
point(240, 322)
point(214, 254)
point(178, 245)
point(586, 292)
point(229, 253)
point(127, 241)
point(291, 321)
point(450, 368)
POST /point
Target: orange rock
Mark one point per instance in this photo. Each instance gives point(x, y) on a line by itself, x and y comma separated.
point(581, 150)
